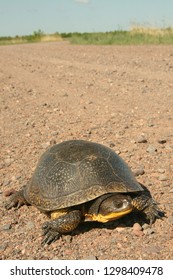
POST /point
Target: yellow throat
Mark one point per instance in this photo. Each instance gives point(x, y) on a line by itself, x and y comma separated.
point(107, 218)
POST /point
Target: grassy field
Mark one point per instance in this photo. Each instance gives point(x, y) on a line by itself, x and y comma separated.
point(136, 36)
point(37, 36)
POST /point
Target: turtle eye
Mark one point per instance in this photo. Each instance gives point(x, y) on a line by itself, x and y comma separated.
point(119, 204)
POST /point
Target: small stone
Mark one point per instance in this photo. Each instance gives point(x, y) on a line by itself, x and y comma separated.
point(2, 165)
point(121, 227)
point(45, 145)
point(150, 123)
point(137, 227)
point(148, 231)
point(90, 257)
point(170, 220)
point(52, 142)
point(6, 183)
point(165, 184)
point(30, 225)
point(3, 246)
point(151, 149)
point(162, 141)
point(168, 147)
point(54, 133)
point(8, 161)
point(112, 145)
point(23, 251)
point(13, 178)
point(138, 232)
point(153, 249)
point(67, 238)
point(141, 139)
point(6, 227)
point(1, 199)
point(145, 226)
point(139, 171)
point(160, 170)
point(163, 177)
point(9, 192)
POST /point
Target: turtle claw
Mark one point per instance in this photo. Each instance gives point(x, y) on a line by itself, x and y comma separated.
point(149, 207)
point(49, 234)
point(152, 212)
point(16, 200)
point(10, 204)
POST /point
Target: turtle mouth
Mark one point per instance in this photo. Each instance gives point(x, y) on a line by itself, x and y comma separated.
point(108, 217)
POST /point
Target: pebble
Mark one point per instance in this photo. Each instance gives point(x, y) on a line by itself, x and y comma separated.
point(90, 257)
point(138, 232)
point(8, 161)
point(67, 238)
point(160, 170)
point(168, 147)
point(9, 192)
point(141, 139)
point(165, 184)
point(54, 133)
point(6, 183)
point(111, 145)
point(170, 220)
point(6, 227)
point(2, 165)
point(139, 171)
point(150, 123)
point(137, 226)
point(171, 190)
point(1, 199)
point(163, 177)
point(153, 249)
point(121, 228)
point(30, 225)
point(162, 141)
point(3, 246)
point(23, 251)
point(137, 229)
point(45, 145)
point(151, 149)
point(148, 231)
point(52, 142)
point(145, 226)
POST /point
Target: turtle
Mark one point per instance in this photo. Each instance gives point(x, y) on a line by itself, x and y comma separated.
point(77, 181)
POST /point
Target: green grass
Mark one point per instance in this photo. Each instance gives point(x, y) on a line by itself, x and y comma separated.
point(136, 36)
point(37, 36)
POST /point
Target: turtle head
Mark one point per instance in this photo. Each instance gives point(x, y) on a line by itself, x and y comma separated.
point(110, 208)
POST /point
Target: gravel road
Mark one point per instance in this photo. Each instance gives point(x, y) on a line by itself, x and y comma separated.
point(120, 96)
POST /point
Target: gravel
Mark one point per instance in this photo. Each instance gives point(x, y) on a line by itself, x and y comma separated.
point(170, 220)
point(120, 96)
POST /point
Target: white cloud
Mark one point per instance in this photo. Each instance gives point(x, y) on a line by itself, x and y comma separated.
point(82, 1)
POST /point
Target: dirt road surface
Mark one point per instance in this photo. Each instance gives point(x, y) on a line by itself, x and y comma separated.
point(120, 96)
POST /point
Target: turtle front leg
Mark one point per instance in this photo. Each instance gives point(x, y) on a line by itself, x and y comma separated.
point(55, 228)
point(147, 205)
point(16, 200)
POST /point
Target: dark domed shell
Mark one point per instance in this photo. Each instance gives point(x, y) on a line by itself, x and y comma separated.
point(76, 171)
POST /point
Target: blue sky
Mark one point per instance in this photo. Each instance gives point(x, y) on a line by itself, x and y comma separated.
point(22, 17)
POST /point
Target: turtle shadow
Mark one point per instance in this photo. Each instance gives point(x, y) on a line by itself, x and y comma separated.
point(126, 222)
